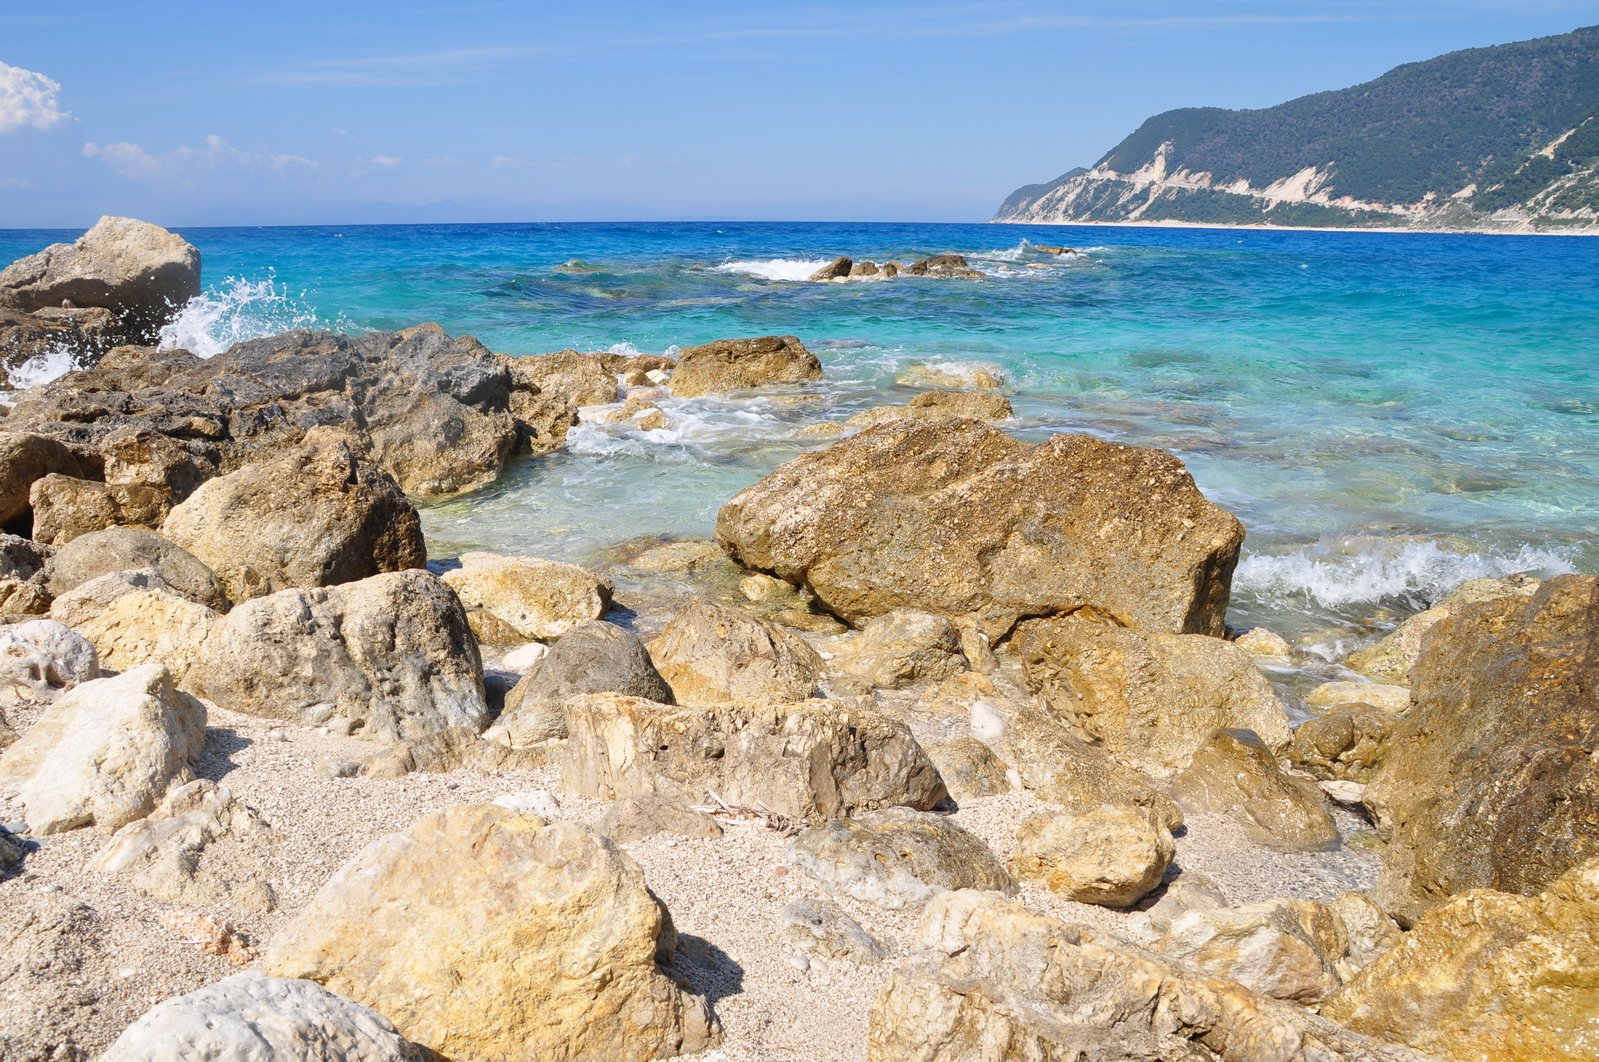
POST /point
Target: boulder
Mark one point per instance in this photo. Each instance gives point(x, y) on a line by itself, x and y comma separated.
point(140, 272)
point(740, 364)
point(389, 658)
point(1264, 646)
point(593, 657)
point(991, 980)
point(26, 458)
point(250, 1017)
point(901, 648)
point(636, 818)
point(121, 549)
point(526, 597)
point(821, 928)
point(897, 858)
point(1286, 949)
point(83, 603)
point(1490, 975)
point(970, 769)
point(1490, 780)
point(956, 517)
point(1110, 856)
point(86, 332)
point(1391, 658)
point(150, 627)
point(1235, 774)
point(711, 655)
point(1192, 891)
point(1384, 695)
point(838, 268)
point(943, 265)
point(1369, 932)
point(41, 659)
point(483, 933)
point(1150, 700)
point(105, 752)
point(807, 761)
point(551, 388)
point(65, 507)
point(317, 515)
point(1345, 745)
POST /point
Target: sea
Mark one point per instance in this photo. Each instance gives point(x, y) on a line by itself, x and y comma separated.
point(1389, 414)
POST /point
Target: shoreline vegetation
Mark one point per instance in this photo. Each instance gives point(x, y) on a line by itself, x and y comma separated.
point(939, 745)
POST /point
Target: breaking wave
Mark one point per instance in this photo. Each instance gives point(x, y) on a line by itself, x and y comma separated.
point(775, 268)
point(240, 309)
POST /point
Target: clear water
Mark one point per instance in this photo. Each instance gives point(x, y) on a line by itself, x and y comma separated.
point(1388, 414)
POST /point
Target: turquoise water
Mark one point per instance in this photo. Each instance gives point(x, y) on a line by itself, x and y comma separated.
point(1388, 414)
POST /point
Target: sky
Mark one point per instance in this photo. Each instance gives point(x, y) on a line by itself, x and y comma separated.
point(347, 111)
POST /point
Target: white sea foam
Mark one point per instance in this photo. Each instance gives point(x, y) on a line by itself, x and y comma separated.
point(1010, 254)
point(42, 368)
point(775, 268)
point(1347, 572)
point(241, 309)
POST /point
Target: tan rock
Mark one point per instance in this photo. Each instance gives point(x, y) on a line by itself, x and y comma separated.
point(1347, 744)
point(1490, 975)
point(530, 597)
point(121, 549)
point(901, 648)
point(1234, 774)
point(712, 655)
point(838, 268)
point(1392, 658)
point(897, 858)
point(1149, 699)
point(938, 405)
point(1384, 695)
point(1286, 949)
point(1369, 932)
point(485, 934)
point(806, 761)
point(1111, 856)
point(822, 928)
point(151, 627)
point(593, 657)
point(25, 459)
point(955, 517)
point(738, 364)
point(969, 768)
point(1265, 646)
point(82, 604)
point(969, 375)
point(65, 507)
point(636, 818)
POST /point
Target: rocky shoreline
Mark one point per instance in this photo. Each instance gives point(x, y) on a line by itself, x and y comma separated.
point(942, 749)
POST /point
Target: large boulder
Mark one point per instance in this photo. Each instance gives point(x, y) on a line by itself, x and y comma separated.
point(956, 517)
point(901, 648)
point(593, 657)
point(1111, 856)
point(1490, 781)
point(483, 933)
point(807, 761)
point(150, 627)
point(1149, 699)
point(1286, 949)
point(390, 658)
point(738, 364)
point(710, 654)
point(316, 515)
point(26, 458)
point(1490, 975)
point(65, 507)
point(897, 858)
point(1391, 658)
point(1235, 774)
point(105, 752)
point(125, 549)
point(517, 599)
point(140, 272)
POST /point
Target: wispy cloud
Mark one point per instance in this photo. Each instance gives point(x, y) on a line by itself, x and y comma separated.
point(388, 162)
point(20, 184)
point(183, 163)
point(408, 68)
point(28, 99)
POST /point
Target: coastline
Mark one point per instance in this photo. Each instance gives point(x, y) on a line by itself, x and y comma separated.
point(1408, 230)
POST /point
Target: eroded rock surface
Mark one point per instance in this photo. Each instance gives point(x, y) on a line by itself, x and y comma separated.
point(897, 858)
point(709, 654)
point(738, 364)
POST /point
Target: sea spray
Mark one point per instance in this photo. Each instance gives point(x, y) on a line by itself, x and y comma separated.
point(239, 310)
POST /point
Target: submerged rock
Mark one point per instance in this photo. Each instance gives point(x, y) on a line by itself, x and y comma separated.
point(738, 364)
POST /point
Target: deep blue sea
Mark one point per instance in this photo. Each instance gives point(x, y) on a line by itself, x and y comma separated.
point(1389, 414)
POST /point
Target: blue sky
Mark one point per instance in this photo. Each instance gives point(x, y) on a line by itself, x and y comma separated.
point(287, 112)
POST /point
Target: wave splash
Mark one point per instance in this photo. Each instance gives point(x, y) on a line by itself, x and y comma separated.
point(241, 309)
point(42, 368)
point(775, 268)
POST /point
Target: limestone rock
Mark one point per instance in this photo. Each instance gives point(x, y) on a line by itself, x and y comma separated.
point(956, 517)
point(105, 752)
point(969, 768)
point(593, 657)
point(1392, 658)
point(1265, 646)
point(317, 515)
point(1234, 774)
point(486, 934)
point(821, 927)
point(1370, 933)
point(991, 980)
point(25, 459)
point(1490, 780)
point(1347, 744)
point(943, 265)
point(1111, 856)
point(65, 507)
point(738, 364)
point(86, 331)
point(836, 269)
point(150, 627)
point(81, 604)
point(1286, 949)
point(897, 858)
point(1490, 975)
point(636, 818)
point(940, 405)
point(452, 749)
point(1149, 699)
point(808, 761)
point(901, 648)
point(389, 658)
point(141, 272)
point(712, 655)
point(41, 659)
point(118, 549)
point(1384, 695)
point(530, 597)
point(1192, 891)
point(551, 388)
point(963, 375)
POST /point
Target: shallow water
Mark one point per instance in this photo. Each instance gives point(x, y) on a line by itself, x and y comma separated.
point(1388, 414)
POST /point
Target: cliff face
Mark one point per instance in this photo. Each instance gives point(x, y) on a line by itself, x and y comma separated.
point(1503, 138)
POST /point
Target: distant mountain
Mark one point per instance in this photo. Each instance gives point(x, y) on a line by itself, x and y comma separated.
point(1503, 138)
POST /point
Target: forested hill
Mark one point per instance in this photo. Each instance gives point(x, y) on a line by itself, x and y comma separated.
point(1499, 138)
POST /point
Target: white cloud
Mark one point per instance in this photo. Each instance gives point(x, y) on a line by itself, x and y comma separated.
point(27, 99)
point(388, 162)
point(128, 160)
point(183, 163)
point(21, 184)
point(506, 162)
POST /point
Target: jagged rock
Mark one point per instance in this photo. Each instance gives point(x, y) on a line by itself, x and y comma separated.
point(809, 761)
point(712, 655)
point(65, 507)
point(897, 858)
point(1192, 891)
point(316, 515)
point(821, 927)
point(390, 658)
point(1286, 949)
point(1149, 699)
point(484, 933)
point(141, 457)
point(1388, 697)
point(150, 627)
point(1393, 657)
point(141, 272)
point(172, 854)
point(658, 557)
point(939, 405)
point(1490, 780)
point(1111, 856)
point(901, 648)
point(943, 265)
point(738, 364)
point(1370, 933)
point(25, 459)
point(104, 753)
point(87, 331)
point(529, 598)
point(969, 768)
point(593, 657)
point(1490, 974)
point(118, 549)
point(1347, 744)
point(956, 517)
point(1265, 646)
point(836, 269)
point(992, 980)
point(1234, 774)
point(250, 1017)
point(636, 818)
point(80, 605)
point(551, 388)
point(42, 659)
